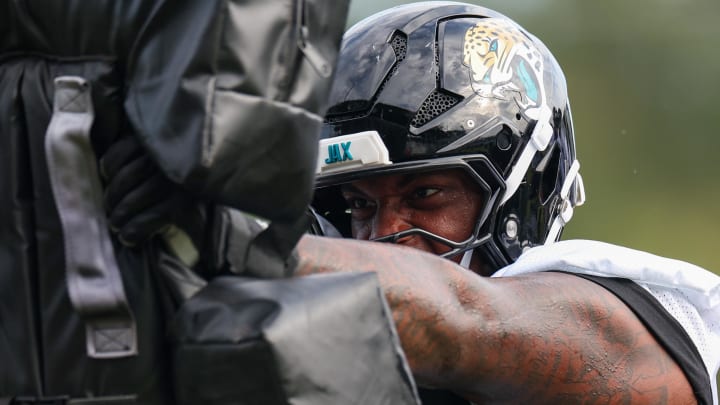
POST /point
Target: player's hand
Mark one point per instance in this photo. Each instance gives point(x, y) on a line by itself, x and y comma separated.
point(140, 200)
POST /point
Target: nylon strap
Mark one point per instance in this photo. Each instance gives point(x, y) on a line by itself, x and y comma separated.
point(92, 274)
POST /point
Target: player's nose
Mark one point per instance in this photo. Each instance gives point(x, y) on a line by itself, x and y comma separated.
point(388, 221)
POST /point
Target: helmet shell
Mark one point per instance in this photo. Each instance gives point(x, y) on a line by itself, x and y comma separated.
point(453, 84)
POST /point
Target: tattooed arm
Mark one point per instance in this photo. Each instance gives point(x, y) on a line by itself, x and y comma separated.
point(541, 338)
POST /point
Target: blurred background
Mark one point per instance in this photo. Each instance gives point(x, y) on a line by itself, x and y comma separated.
point(644, 81)
point(644, 84)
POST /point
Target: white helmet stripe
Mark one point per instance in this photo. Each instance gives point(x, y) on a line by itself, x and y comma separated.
point(539, 140)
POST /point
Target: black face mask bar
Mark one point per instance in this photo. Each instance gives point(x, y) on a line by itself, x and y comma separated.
point(489, 181)
point(456, 248)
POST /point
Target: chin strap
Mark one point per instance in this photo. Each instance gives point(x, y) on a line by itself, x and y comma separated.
point(467, 256)
point(568, 201)
point(539, 140)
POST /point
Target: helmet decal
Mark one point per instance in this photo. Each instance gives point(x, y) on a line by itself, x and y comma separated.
point(352, 152)
point(504, 64)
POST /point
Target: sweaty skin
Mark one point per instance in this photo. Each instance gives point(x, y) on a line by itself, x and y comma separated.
point(445, 202)
point(542, 338)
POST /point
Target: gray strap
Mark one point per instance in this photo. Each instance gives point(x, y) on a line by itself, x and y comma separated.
point(116, 399)
point(93, 277)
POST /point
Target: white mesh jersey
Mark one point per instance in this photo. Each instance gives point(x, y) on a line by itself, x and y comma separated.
point(689, 293)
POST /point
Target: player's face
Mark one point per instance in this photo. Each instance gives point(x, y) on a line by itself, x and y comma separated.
point(446, 203)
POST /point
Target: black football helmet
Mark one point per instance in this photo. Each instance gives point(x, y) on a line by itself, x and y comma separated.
point(437, 85)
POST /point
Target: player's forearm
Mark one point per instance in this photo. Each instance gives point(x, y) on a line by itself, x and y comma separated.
point(418, 286)
point(557, 338)
point(545, 338)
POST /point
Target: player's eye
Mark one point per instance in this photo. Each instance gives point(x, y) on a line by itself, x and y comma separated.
point(493, 45)
point(357, 203)
point(425, 192)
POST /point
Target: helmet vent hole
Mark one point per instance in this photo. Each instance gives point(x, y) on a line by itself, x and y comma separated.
point(399, 45)
point(436, 104)
point(504, 142)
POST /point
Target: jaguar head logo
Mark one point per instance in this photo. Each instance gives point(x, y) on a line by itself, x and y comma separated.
point(504, 63)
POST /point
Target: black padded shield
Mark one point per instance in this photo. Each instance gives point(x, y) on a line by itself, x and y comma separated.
point(320, 340)
point(226, 96)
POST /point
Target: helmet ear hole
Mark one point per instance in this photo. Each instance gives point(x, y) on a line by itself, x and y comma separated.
point(504, 138)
